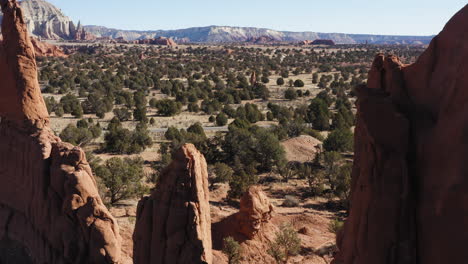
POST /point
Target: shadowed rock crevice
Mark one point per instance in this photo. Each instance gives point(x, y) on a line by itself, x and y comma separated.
point(13, 252)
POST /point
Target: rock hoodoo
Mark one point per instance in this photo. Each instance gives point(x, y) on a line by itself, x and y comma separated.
point(410, 175)
point(82, 35)
point(255, 211)
point(50, 209)
point(174, 223)
point(252, 226)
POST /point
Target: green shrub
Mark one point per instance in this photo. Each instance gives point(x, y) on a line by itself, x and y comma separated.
point(286, 244)
point(335, 226)
point(221, 119)
point(339, 140)
point(122, 178)
point(298, 83)
point(231, 249)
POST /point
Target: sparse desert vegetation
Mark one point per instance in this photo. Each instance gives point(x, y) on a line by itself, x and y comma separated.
point(131, 107)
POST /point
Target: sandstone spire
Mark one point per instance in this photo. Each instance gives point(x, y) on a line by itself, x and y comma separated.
point(21, 101)
point(411, 149)
point(50, 209)
point(174, 223)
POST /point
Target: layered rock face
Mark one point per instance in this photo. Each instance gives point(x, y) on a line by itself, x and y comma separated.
point(174, 224)
point(410, 174)
point(50, 209)
point(47, 21)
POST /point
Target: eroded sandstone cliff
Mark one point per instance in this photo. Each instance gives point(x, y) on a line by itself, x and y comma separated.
point(411, 147)
point(174, 224)
point(50, 209)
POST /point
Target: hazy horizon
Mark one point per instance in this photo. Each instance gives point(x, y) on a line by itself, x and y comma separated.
point(415, 18)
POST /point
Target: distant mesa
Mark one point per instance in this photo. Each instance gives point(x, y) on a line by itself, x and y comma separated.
point(45, 21)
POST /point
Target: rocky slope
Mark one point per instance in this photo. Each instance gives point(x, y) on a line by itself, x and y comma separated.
point(241, 34)
point(50, 209)
point(410, 175)
point(174, 223)
point(43, 49)
point(44, 20)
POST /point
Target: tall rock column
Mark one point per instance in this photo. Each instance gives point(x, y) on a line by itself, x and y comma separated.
point(410, 174)
point(174, 224)
point(50, 209)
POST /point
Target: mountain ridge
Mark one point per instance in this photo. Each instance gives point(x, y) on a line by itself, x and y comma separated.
point(46, 21)
point(222, 34)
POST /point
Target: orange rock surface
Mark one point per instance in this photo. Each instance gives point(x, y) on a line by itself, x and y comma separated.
point(174, 223)
point(409, 178)
point(50, 209)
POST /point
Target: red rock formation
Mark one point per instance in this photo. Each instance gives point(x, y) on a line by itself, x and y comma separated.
point(328, 42)
point(82, 35)
point(253, 78)
point(255, 211)
point(409, 177)
point(305, 42)
point(158, 41)
point(174, 223)
point(43, 49)
point(50, 209)
point(252, 227)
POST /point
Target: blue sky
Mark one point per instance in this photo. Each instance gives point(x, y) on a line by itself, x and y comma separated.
point(394, 17)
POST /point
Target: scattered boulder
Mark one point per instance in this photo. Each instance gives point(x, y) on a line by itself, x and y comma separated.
point(411, 148)
point(174, 224)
